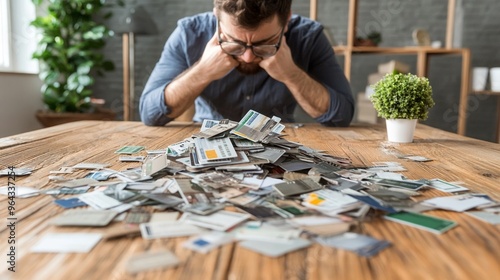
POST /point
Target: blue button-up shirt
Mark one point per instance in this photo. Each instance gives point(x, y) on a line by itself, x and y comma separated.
point(233, 95)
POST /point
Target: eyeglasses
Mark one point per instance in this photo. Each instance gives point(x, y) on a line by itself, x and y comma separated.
point(237, 48)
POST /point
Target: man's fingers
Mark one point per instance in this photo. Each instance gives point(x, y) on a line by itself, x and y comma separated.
point(215, 40)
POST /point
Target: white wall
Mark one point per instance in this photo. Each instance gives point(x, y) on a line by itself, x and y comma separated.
point(20, 98)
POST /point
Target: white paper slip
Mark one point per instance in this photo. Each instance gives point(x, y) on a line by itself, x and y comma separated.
point(484, 216)
point(386, 168)
point(78, 183)
point(274, 249)
point(66, 243)
point(19, 191)
point(90, 165)
point(131, 158)
point(266, 232)
point(327, 200)
point(164, 217)
point(221, 220)
point(446, 186)
point(154, 164)
point(84, 217)
point(361, 244)
point(458, 204)
point(262, 183)
point(207, 242)
point(16, 171)
point(99, 200)
point(156, 152)
point(168, 229)
point(386, 163)
point(389, 175)
point(63, 170)
point(150, 261)
point(314, 221)
point(418, 158)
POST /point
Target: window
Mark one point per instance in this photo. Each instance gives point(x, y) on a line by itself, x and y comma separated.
point(4, 35)
point(17, 37)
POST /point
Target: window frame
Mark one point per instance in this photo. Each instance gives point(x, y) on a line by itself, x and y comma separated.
point(5, 36)
point(21, 38)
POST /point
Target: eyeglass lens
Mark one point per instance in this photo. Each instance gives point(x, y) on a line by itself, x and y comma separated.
point(238, 49)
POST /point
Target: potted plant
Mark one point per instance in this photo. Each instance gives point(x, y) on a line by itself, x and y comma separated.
point(372, 40)
point(402, 99)
point(69, 55)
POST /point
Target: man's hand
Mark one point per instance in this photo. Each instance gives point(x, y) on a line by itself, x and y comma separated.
point(183, 90)
point(281, 66)
point(310, 95)
point(214, 62)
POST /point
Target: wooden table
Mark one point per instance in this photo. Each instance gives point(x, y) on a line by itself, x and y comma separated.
point(469, 251)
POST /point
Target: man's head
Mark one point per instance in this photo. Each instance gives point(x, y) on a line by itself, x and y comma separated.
point(251, 23)
point(250, 14)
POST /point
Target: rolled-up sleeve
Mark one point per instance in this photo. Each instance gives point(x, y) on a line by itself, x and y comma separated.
point(324, 68)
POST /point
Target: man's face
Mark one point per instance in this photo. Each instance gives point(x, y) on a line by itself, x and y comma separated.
point(267, 35)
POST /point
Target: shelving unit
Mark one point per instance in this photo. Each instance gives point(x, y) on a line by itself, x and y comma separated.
point(494, 93)
point(423, 53)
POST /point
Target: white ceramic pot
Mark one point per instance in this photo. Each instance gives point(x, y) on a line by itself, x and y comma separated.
point(400, 130)
point(479, 77)
point(495, 78)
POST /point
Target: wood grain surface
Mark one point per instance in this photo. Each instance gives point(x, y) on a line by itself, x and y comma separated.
point(469, 251)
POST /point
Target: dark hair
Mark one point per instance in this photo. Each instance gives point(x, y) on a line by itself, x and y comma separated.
point(251, 13)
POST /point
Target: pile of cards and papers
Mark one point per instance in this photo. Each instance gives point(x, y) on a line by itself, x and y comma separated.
point(244, 182)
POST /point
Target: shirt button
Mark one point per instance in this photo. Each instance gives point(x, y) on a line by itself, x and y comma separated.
point(248, 97)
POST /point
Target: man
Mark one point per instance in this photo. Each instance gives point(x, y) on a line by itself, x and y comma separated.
point(247, 54)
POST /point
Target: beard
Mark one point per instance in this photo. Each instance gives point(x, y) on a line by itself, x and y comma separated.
point(248, 68)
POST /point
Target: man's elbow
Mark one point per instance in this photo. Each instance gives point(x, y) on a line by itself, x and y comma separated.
point(150, 119)
point(148, 122)
point(343, 118)
point(348, 117)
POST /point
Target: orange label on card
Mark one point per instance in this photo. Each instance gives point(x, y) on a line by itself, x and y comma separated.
point(316, 201)
point(211, 154)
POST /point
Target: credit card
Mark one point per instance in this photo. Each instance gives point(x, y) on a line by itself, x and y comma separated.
point(421, 221)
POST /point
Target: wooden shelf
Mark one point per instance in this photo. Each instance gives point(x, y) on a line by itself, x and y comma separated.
point(422, 53)
point(340, 50)
point(486, 92)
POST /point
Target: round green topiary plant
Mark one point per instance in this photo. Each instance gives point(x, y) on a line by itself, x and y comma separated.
point(402, 96)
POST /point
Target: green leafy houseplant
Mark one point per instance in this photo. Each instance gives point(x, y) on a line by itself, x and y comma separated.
point(68, 52)
point(402, 96)
point(373, 39)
